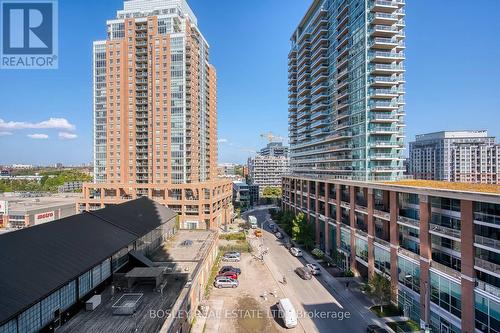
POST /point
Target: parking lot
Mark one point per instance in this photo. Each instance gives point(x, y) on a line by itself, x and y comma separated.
point(249, 307)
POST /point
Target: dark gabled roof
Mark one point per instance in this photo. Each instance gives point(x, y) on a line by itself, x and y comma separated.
point(138, 216)
point(37, 261)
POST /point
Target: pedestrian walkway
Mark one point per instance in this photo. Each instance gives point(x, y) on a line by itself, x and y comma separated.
point(211, 323)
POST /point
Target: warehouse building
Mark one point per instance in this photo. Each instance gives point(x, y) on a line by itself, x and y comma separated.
point(49, 271)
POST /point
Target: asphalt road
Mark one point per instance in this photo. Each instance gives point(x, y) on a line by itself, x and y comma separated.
point(319, 310)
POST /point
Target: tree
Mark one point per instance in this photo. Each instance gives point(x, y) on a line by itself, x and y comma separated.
point(271, 192)
point(381, 289)
point(297, 225)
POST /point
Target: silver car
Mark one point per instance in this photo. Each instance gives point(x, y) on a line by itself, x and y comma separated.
point(225, 282)
point(231, 257)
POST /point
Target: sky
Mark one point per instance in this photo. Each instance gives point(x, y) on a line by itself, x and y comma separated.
point(453, 75)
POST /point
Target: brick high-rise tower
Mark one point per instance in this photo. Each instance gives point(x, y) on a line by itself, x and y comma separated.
point(155, 114)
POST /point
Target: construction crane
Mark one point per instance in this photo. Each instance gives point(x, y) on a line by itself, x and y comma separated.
point(271, 137)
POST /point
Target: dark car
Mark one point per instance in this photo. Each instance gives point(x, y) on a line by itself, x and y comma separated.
point(303, 272)
point(375, 329)
point(224, 269)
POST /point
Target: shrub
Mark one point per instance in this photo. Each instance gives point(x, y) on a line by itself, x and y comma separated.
point(349, 273)
point(318, 253)
point(242, 247)
point(233, 236)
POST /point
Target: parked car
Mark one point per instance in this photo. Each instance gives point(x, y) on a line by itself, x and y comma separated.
point(303, 272)
point(230, 269)
point(296, 252)
point(258, 233)
point(272, 227)
point(279, 235)
point(229, 274)
point(313, 269)
point(231, 257)
point(375, 329)
point(225, 282)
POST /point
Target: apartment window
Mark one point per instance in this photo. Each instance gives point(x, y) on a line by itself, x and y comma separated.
point(446, 294)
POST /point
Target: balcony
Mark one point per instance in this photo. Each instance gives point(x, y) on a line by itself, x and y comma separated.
point(487, 242)
point(388, 57)
point(319, 97)
point(384, 157)
point(386, 68)
point(487, 218)
point(383, 31)
point(443, 231)
point(384, 43)
point(319, 106)
point(318, 79)
point(383, 93)
point(382, 215)
point(409, 254)
point(383, 18)
point(383, 118)
point(445, 269)
point(383, 81)
point(374, 106)
point(487, 265)
point(379, 129)
point(384, 6)
point(488, 288)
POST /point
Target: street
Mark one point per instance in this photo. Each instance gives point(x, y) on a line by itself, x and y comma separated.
point(319, 310)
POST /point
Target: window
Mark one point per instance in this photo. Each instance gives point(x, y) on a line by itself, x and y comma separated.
point(446, 294)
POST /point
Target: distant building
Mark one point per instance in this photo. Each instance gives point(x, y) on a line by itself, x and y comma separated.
point(241, 195)
point(269, 166)
point(274, 149)
point(226, 170)
point(19, 211)
point(70, 187)
point(254, 194)
point(456, 156)
point(22, 166)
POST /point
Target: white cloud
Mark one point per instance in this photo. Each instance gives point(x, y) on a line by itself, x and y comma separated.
point(5, 133)
point(38, 136)
point(67, 136)
point(52, 123)
point(223, 141)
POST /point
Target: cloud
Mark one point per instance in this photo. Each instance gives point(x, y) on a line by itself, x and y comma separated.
point(38, 136)
point(223, 141)
point(52, 123)
point(5, 133)
point(67, 136)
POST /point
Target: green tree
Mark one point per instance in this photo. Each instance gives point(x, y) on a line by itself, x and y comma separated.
point(381, 289)
point(271, 192)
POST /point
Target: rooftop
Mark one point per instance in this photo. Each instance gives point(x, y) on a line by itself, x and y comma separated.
point(184, 251)
point(21, 203)
point(443, 185)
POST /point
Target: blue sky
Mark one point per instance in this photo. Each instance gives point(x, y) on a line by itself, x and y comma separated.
point(453, 75)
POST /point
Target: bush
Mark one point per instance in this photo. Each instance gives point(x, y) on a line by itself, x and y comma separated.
point(318, 253)
point(213, 273)
point(349, 273)
point(233, 236)
point(241, 247)
point(389, 310)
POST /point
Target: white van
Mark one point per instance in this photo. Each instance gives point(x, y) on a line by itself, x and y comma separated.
point(287, 312)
